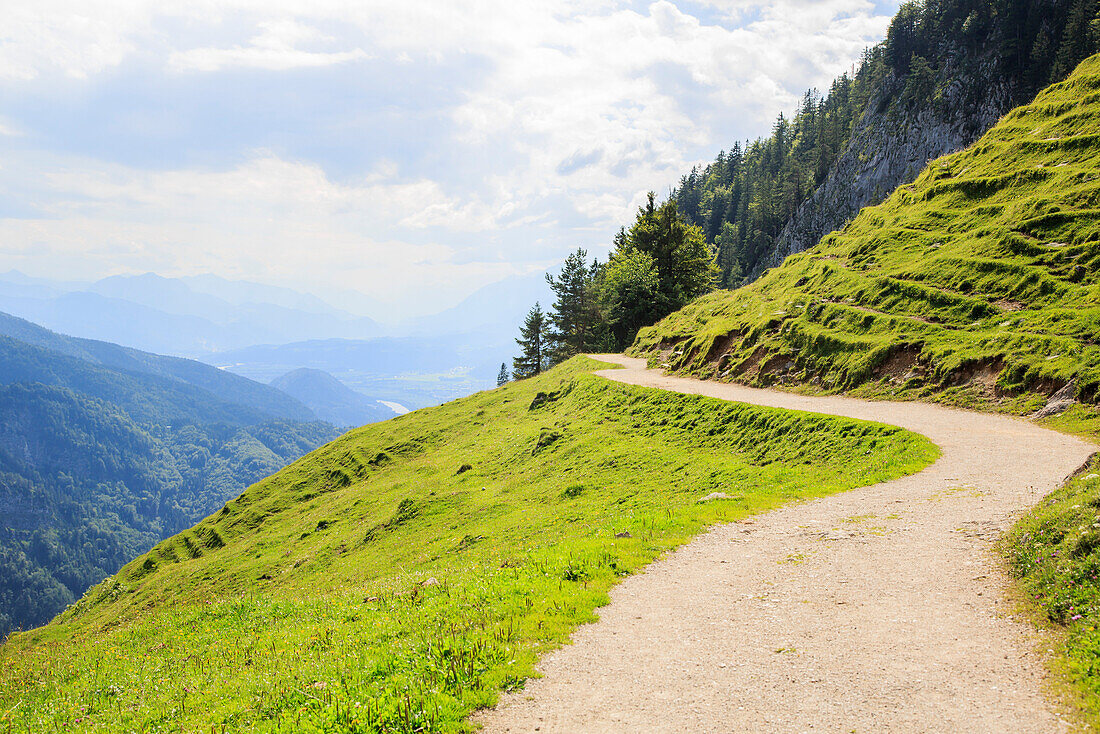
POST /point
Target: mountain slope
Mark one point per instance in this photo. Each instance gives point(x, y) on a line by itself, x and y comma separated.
point(981, 278)
point(219, 383)
point(330, 399)
point(97, 463)
point(400, 576)
point(945, 73)
point(84, 488)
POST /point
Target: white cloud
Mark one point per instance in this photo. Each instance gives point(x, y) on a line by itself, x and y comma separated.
point(6, 128)
point(76, 39)
point(275, 49)
point(267, 218)
point(577, 109)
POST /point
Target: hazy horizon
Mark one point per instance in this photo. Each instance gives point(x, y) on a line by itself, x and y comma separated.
point(412, 154)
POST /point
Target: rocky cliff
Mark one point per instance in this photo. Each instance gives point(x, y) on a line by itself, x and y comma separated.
point(892, 143)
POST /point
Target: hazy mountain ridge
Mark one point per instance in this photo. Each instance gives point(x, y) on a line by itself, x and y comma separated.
point(417, 362)
point(178, 316)
point(266, 403)
point(330, 399)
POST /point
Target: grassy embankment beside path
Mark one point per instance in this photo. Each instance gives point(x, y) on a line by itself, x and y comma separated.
point(401, 576)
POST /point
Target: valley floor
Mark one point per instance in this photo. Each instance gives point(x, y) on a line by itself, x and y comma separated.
point(877, 609)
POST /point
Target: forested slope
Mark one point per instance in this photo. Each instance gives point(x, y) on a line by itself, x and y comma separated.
point(945, 74)
point(98, 463)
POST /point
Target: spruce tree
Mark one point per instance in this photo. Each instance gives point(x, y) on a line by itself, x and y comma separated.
point(685, 262)
point(572, 321)
point(502, 376)
point(533, 359)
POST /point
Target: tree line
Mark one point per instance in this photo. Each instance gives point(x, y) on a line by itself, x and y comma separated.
point(656, 267)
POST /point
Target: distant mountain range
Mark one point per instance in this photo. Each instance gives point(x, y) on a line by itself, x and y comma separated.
point(413, 371)
point(180, 316)
point(140, 376)
point(262, 332)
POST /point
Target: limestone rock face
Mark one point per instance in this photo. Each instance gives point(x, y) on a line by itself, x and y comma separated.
point(892, 143)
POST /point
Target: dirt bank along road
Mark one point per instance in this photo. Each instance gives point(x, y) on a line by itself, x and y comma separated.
point(879, 609)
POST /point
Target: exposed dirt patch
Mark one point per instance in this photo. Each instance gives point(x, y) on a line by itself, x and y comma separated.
point(902, 366)
point(748, 367)
point(1006, 305)
point(981, 375)
point(776, 366)
point(721, 346)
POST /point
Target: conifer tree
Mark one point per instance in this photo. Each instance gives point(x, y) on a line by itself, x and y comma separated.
point(572, 321)
point(503, 376)
point(532, 334)
point(685, 262)
point(629, 295)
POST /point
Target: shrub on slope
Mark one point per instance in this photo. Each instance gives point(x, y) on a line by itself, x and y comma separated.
point(984, 273)
point(398, 577)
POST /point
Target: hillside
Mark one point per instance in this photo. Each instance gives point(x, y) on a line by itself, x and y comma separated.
point(400, 576)
point(977, 283)
point(330, 399)
point(265, 402)
point(945, 73)
point(98, 463)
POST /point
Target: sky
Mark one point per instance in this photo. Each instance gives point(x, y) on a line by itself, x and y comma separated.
point(412, 150)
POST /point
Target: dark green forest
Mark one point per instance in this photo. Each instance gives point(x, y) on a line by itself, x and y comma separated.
point(97, 464)
point(743, 200)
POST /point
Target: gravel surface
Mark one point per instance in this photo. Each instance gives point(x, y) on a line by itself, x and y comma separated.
point(878, 609)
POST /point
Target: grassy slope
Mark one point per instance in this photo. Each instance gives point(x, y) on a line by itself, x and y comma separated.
point(978, 285)
point(1055, 550)
point(308, 604)
point(980, 281)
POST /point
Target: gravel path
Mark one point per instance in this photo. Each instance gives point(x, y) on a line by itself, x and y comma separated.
point(878, 609)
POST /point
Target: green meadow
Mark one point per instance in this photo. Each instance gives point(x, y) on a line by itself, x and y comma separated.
point(1055, 553)
point(403, 575)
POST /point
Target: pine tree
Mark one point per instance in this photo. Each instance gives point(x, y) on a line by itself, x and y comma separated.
point(503, 376)
point(572, 320)
point(629, 295)
point(533, 359)
point(684, 260)
point(1078, 42)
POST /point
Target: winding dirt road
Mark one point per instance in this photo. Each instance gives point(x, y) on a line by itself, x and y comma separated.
point(878, 609)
